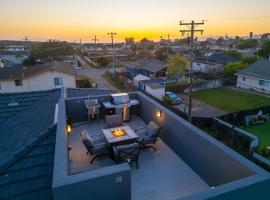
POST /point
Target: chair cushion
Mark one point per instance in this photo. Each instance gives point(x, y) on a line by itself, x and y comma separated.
point(152, 129)
point(86, 139)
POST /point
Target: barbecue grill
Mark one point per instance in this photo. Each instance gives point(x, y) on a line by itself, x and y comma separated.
point(92, 107)
point(120, 103)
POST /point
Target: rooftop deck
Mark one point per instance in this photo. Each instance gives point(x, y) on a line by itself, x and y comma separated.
point(162, 174)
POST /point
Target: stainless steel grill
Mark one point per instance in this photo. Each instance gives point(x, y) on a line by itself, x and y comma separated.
point(120, 99)
point(92, 107)
point(120, 104)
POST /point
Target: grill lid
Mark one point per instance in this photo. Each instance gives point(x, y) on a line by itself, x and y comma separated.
point(120, 98)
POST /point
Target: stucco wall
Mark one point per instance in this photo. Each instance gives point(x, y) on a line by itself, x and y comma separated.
point(44, 81)
point(252, 83)
point(206, 156)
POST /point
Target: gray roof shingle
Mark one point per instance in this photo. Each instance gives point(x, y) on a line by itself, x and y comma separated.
point(17, 72)
point(27, 143)
point(27, 125)
point(30, 177)
point(259, 69)
point(152, 65)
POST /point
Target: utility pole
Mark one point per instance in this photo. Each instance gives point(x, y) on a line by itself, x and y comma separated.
point(168, 43)
point(81, 46)
point(26, 41)
point(113, 55)
point(95, 40)
point(191, 30)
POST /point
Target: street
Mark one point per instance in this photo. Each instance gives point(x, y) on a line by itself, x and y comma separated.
point(95, 75)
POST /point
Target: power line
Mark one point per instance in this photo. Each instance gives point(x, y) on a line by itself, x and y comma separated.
point(192, 31)
point(113, 54)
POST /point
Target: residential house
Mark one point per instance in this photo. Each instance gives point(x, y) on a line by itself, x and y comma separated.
point(255, 77)
point(206, 66)
point(15, 57)
point(146, 67)
point(265, 36)
point(221, 58)
point(212, 62)
point(46, 77)
point(139, 78)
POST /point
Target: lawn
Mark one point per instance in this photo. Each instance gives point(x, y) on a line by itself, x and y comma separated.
point(262, 131)
point(230, 100)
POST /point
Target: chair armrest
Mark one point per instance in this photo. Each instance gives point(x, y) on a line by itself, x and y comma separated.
point(140, 128)
point(97, 135)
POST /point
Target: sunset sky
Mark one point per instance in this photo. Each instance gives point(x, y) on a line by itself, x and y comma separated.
point(75, 19)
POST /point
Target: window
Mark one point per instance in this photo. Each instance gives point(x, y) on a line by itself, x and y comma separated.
point(19, 82)
point(244, 78)
point(263, 83)
point(58, 81)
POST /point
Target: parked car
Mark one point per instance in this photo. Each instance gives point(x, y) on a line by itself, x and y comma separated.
point(173, 97)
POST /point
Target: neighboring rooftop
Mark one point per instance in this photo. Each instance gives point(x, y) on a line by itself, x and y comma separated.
point(259, 69)
point(152, 65)
point(25, 126)
point(11, 73)
point(30, 176)
point(218, 58)
point(16, 103)
point(14, 53)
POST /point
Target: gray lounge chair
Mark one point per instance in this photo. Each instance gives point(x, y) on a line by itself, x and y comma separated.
point(127, 153)
point(112, 121)
point(148, 135)
point(94, 144)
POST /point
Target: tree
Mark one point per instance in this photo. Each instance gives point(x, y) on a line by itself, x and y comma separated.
point(53, 49)
point(220, 40)
point(102, 61)
point(249, 60)
point(163, 53)
point(130, 41)
point(265, 49)
point(246, 44)
point(176, 65)
point(232, 68)
point(251, 35)
point(30, 61)
point(147, 44)
point(234, 53)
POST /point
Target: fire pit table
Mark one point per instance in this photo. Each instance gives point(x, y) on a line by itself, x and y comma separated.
point(120, 135)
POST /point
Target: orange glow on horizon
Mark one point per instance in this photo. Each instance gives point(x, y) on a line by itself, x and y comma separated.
point(82, 19)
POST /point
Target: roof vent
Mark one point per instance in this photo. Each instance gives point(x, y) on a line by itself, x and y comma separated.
point(13, 103)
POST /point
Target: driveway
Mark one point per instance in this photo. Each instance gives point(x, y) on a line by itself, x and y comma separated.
point(199, 109)
point(95, 75)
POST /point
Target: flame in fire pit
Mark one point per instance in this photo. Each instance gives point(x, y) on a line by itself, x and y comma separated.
point(119, 132)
